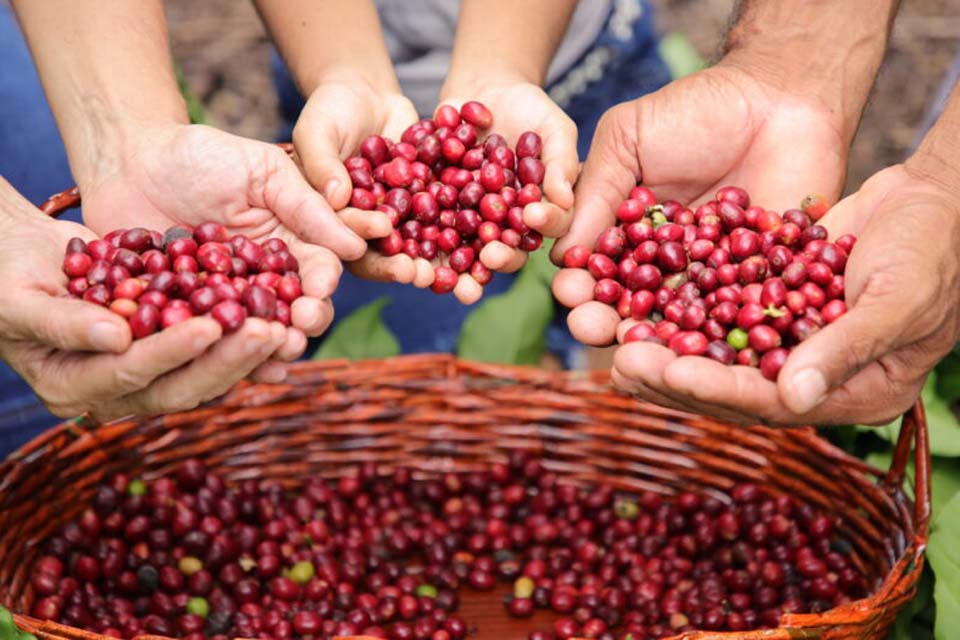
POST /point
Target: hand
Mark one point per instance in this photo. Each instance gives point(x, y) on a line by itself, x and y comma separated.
point(721, 126)
point(338, 116)
point(519, 106)
point(187, 174)
point(78, 356)
point(902, 283)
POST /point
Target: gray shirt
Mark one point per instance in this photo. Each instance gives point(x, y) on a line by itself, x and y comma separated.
point(419, 36)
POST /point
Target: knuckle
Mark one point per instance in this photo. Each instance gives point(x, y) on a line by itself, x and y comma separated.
point(126, 380)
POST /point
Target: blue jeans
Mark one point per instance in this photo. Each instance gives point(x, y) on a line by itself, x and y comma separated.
point(33, 160)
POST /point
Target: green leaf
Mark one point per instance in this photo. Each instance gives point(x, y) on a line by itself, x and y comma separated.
point(943, 553)
point(360, 336)
point(680, 56)
point(511, 328)
point(944, 478)
point(948, 377)
point(194, 106)
point(10, 631)
point(943, 426)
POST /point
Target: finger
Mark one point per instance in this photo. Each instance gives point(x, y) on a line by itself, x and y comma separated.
point(63, 323)
point(561, 162)
point(208, 377)
point(549, 219)
point(496, 255)
point(312, 316)
point(293, 345)
point(319, 151)
point(594, 323)
point(424, 273)
point(643, 392)
point(611, 170)
point(367, 224)
point(288, 194)
point(573, 287)
point(113, 376)
point(320, 269)
point(270, 372)
point(379, 268)
point(833, 354)
point(467, 290)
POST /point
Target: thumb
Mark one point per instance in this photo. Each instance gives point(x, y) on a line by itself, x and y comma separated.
point(319, 150)
point(610, 171)
point(64, 323)
point(837, 352)
point(306, 213)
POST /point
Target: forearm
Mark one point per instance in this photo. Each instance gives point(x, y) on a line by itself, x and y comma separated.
point(938, 157)
point(511, 38)
point(331, 39)
point(829, 50)
point(106, 69)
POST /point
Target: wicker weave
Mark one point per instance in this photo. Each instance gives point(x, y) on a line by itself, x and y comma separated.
point(436, 414)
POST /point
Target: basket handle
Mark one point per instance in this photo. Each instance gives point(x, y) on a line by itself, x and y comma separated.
point(60, 202)
point(913, 429)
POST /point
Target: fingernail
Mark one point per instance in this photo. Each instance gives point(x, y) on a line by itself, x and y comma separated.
point(809, 390)
point(104, 336)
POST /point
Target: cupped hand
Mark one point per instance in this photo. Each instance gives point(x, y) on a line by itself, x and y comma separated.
point(868, 366)
point(718, 127)
point(188, 174)
point(338, 116)
point(519, 106)
point(79, 357)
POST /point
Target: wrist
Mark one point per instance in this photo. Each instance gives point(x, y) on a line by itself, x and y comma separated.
point(937, 159)
point(772, 41)
point(467, 81)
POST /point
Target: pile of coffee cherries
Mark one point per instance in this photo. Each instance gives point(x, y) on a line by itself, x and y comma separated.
point(730, 281)
point(156, 281)
point(449, 191)
point(389, 554)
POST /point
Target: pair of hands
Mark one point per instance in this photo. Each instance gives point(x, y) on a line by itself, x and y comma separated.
point(81, 358)
point(339, 115)
point(722, 126)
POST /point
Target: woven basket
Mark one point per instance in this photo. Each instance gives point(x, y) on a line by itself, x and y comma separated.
point(437, 414)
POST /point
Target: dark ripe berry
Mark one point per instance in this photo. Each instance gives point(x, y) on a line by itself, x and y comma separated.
point(601, 266)
point(772, 361)
point(607, 291)
point(467, 222)
point(481, 273)
point(424, 207)
point(576, 257)
point(209, 232)
point(492, 177)
point(630, 211)
point(834, 257)
point(721, 352)
point(763, 338)
point(76, 265)
point(688, 343)
point(452, 150)
point(835, 288)
point(374, 149)
point(447, 116)
point(819, 273)
point(736, 195)
point(363, 199)
point(810, 234)
point(230, 314)
point(531, 241)
point(528, 194)
point(692, 318)
point(774, 293)
point(510, 238)
point(97, 294)
point(814, 295)
point(731, 215)
point(202, 300)
point(530, 171)
point(795, 274)
point(672, 257)
point(744, 245)
point(833, 310)
point(467, 134)
point(461, 259)
point(260, 302)
point(361, 179)
point(668, 232)
point(846, 242)
point(789, 234)
point(611, 242)
point(750, 315)
point(476, 114)
point(643, 277)
point(493, 208)
point(444, 280)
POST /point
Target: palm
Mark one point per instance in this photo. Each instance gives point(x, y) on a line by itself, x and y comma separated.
point(190, 175)
point(720, 127)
